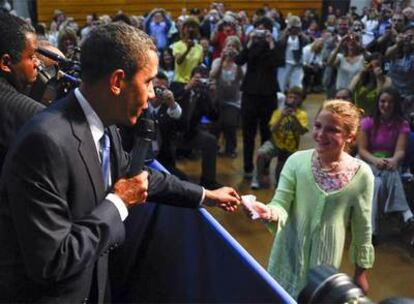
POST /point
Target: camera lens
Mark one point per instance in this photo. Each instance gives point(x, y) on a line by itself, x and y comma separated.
point(327, 285)
point(158, 91)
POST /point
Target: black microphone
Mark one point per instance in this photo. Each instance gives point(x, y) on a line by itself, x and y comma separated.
point(144, 135)
point(56, 57)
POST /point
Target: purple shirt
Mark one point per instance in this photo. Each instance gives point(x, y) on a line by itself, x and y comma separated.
point(385, 139)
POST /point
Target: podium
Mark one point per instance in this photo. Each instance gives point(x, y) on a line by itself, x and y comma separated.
point(181, 255)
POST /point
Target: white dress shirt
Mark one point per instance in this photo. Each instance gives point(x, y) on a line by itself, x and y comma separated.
point(97, 129)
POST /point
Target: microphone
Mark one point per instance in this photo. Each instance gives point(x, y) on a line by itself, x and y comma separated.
point(56, 57)
point(145, 134)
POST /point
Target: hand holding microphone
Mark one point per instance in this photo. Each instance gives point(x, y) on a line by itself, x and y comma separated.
point(134, 189)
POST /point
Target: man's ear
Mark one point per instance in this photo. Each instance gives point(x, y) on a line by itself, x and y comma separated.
point(116, 81)
point(5, 63)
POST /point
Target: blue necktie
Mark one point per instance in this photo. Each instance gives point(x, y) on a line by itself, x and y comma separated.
point(105, 158)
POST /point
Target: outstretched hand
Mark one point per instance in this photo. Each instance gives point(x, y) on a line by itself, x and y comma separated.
point(259, 209)
point(226, 198)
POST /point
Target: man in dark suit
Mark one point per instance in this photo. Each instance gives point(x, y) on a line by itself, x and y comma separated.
point(196, 102)
point(262, 56)
point(64, 194)
point(18, 69)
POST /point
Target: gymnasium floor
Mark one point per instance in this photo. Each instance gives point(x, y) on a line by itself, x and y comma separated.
point(393, 272)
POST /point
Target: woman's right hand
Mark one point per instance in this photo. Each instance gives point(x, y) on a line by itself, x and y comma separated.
point(262, 210)
point(380, 163)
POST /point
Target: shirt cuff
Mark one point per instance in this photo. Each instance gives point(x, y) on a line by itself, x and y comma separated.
point(203, 196)
point(119, 204)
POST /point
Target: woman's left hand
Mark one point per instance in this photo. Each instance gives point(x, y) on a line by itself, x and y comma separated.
point(391, 164)
point(362, 281)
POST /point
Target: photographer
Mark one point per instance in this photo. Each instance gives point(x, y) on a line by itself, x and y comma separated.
point(367, 84)
point(287, 126)
point(312, 66)
point(195, 101)
point(157, 25)
point(292, 41)
point(391, 31)
point(208, 25)
point(401, 68)
point(225, 28)
point(350, 63)
point(166, 112)
point(259, 86)
point(227, 78)
point(187, 52)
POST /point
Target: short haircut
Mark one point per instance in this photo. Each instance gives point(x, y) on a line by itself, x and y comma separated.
point(200, 69)
point(265, 21)
point(13, 32)
point(114, 46)
point(161, 75)
point(296, 91)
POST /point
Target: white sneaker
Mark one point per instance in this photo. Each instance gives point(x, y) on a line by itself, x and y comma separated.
point(255, 183)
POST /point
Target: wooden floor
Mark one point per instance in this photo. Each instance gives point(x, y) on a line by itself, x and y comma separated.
point(393, 272)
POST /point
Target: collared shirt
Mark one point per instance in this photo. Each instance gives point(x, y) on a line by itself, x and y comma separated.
point(97, 129)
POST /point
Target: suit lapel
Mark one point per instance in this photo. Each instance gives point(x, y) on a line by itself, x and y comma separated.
point(87, 149)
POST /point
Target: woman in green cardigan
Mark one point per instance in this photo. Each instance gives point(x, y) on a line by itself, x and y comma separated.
point(320, 191)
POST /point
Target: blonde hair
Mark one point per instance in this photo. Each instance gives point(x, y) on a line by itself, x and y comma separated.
point(233, 40)
point(349, 114)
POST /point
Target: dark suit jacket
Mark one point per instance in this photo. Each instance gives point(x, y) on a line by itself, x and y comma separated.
point(56, 227)
point(15, 110)
point(191, 116)
point(262, 63)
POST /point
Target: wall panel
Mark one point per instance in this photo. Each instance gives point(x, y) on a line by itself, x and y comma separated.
point(78, 9)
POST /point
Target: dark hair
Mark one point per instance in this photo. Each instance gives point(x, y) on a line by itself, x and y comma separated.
point(265, 21)
point(368, 78)
point(348, 91)
point(200, 69)
point(13, 32)
point(122, 18)
point(114, 46)
point(161, 75)
point(397, 114)
point(66, 34)
point(163, 63)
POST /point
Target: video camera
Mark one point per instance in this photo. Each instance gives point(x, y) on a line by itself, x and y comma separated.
point(62, 77)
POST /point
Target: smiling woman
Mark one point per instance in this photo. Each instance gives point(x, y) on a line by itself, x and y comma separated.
point(309, 225)
point(382, 144)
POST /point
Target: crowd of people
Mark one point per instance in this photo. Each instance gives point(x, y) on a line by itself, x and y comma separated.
point(199, 76)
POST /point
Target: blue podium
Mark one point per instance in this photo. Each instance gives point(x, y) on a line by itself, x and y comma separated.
point(180, 255)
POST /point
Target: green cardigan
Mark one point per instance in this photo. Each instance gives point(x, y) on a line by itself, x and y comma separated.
point(312, 223)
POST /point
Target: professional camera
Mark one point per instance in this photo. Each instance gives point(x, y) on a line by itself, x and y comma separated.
point(62, 77)
point(327, 286)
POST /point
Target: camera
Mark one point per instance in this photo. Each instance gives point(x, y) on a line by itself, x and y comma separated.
point(260, 33)
point(158, 91)
point(327, 285)
point(289, 106)
point(204, 81)
point(230, 53)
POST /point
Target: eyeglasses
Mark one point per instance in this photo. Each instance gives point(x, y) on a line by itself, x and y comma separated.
point(397, 20)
